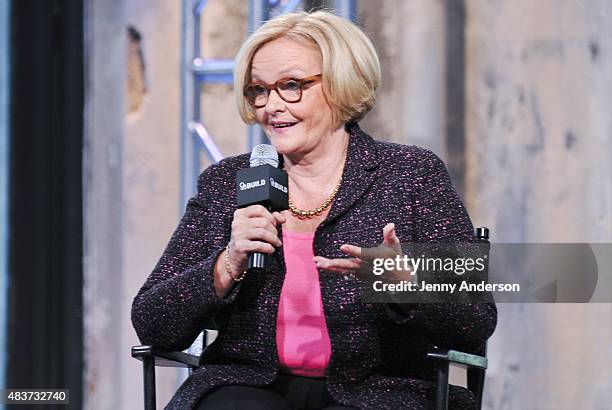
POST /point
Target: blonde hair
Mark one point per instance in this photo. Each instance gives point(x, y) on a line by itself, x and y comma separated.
point(350, 66)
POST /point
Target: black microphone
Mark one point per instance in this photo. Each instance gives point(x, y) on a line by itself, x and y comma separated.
point(263, 184)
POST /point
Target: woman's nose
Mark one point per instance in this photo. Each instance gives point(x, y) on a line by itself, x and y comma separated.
point(275, 103)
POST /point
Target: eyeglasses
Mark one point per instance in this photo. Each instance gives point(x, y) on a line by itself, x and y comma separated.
point(289, 89)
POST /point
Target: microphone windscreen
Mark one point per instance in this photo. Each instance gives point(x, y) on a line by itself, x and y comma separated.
point(264, 154)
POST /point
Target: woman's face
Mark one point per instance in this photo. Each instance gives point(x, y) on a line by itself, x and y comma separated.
point(310, 119)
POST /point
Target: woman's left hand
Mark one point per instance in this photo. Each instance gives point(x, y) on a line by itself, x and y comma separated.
point(389, 248)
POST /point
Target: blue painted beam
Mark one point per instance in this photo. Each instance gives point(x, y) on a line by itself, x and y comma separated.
point(213, 71)
point(198, 6)
point(291, 6)
point(205, 141)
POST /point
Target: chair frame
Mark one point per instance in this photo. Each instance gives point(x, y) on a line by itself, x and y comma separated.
point(476, 365)
point(151, 358)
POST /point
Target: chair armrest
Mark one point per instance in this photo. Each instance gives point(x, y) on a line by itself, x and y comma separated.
point(165, 358)
point(455, 356)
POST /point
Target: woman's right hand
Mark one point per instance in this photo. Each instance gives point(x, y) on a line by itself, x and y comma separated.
point(253, 230)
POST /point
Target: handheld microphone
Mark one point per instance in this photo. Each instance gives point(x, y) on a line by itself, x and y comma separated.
point(262, 184)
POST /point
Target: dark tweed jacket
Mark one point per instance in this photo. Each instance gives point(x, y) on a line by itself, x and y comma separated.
point(378, 358)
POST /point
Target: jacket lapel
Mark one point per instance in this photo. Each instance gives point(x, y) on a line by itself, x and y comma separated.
point(358, 174)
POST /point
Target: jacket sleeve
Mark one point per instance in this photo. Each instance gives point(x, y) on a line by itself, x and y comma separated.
point(439, 216)
point(178, 297)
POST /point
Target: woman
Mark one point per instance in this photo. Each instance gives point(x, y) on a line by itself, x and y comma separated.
point(298, 336)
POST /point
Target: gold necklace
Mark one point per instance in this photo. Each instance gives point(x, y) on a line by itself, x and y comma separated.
point(314, 212)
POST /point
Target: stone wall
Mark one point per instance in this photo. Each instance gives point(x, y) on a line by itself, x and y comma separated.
point(538, 127)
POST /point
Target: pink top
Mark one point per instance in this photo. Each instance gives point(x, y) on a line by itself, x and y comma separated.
point(302, 340)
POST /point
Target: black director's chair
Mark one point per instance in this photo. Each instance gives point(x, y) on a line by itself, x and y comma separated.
point(476, 364)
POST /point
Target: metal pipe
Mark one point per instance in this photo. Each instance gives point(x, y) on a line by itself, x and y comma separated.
point(198, 6)
point(185, 183)
point(258, 13)
point(291, 6)
point(197, 108)
point(213, 71)
point(346, 9)
point(206, 140)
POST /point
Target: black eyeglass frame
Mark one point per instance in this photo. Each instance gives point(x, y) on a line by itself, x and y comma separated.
point(304, 84)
